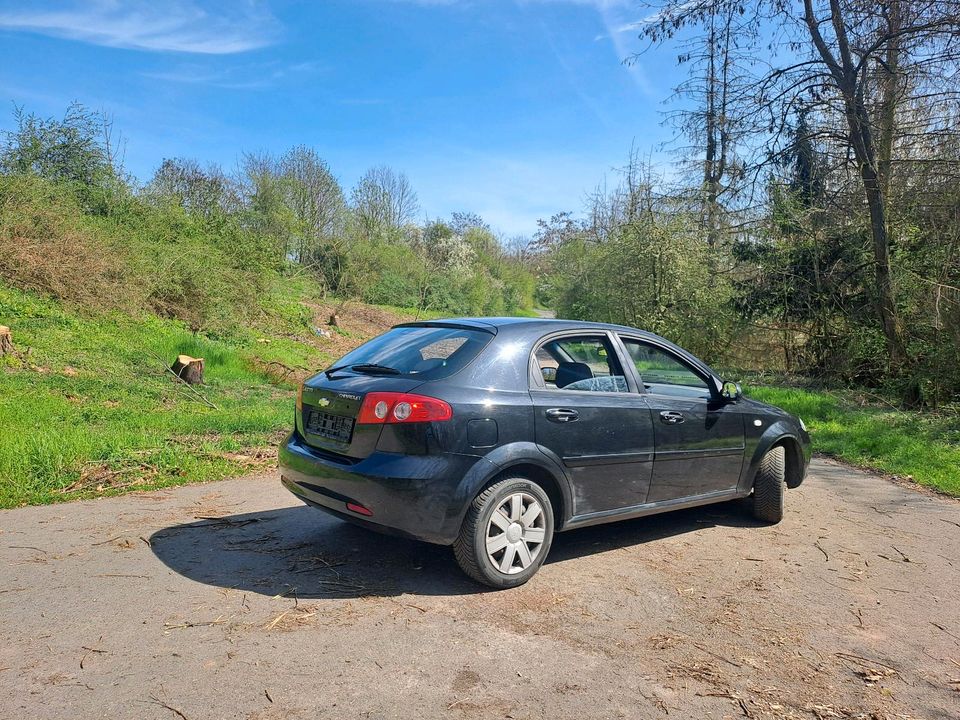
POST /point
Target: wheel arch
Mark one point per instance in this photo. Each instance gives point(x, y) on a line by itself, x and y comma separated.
point(528, 460)
point(778, 435)
point(542, 477)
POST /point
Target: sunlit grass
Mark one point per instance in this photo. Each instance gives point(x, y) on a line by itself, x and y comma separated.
point(87, 406)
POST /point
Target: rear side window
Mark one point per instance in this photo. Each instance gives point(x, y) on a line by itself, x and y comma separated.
point(580, 363)
point(426, 353)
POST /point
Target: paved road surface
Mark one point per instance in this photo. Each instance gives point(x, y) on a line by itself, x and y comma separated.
point(232, 600)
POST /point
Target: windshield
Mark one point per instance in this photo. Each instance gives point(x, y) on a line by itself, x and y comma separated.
point(427, 353)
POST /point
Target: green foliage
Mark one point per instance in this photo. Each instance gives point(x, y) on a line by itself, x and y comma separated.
point(440, 271)
point(203, 270)
point(198, 246)
point(74, 152)
point(653, 272)
point(812, 274)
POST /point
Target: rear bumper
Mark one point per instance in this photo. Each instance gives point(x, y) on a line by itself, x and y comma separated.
point(416, 496)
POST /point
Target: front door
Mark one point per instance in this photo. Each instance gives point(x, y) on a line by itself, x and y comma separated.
point(599, 426)
point(699, 438)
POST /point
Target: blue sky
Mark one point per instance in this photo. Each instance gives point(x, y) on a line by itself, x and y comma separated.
point(511, 109)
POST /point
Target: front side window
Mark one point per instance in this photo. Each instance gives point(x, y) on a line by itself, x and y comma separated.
point(662, 373)
point(580, 363)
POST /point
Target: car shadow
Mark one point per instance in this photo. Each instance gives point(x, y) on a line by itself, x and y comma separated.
point(299, 551)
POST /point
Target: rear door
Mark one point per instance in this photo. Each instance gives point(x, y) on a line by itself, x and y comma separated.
point(699, 437)
point(593, 418)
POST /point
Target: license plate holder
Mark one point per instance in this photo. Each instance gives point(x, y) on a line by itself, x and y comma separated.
point(338, 428)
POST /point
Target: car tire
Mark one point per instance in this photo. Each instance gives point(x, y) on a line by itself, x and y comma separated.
point(506, 534)
point(770, 486)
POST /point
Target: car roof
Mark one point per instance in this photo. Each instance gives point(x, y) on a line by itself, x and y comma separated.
point(528, 323)
point(542, 326)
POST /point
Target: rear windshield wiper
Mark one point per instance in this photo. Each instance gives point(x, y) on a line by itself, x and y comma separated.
point(369, 368)
point(330, 371)
point(374, 369)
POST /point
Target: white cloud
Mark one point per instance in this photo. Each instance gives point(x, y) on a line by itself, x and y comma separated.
point(245, 76)
point(187, 26)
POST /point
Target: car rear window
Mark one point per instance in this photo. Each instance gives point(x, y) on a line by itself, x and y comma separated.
point(427, 353)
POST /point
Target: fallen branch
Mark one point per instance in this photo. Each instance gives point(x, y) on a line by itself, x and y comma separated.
point(225, 521)
point(718, 657)
point(178, 626)
point(172, 709)
point(905, 558)
point(819, 547)
point(277, 619)
point(860, 660)
point(122, 575)
point(941, 627)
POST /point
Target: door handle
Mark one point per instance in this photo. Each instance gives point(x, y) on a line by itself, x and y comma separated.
point(671, 417)
point(562, 415)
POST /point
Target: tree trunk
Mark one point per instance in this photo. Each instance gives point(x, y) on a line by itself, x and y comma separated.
point(849, 81)
point(6, 340)
point(884, 302)
point(188, 369)
point(890, 96)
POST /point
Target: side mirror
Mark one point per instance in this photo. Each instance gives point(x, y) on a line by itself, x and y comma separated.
point(731, 391)
point(549, 374)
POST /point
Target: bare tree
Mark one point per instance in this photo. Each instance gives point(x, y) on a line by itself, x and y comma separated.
point(856, 66)
point(383, 200)
point(713, 110)
point(314, 196)
point(203, 191)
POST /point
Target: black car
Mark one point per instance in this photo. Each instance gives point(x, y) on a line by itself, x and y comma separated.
point(491, 434)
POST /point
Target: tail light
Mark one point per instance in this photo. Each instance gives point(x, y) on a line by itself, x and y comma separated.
point(394, 407)
point(359, 509)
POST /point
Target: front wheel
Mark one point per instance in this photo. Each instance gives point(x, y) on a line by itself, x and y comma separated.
point(506, 534)
point(770, 487)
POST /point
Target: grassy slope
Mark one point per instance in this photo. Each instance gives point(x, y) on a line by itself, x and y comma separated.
point(87, 407)
point(921, 446)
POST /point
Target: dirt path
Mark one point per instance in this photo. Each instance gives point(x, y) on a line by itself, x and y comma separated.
point(231, 600)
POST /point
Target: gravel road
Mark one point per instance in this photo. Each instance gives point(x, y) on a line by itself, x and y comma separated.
point(232, 600)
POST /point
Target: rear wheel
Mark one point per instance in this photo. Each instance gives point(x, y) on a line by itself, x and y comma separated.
point(770, 487)
point(506, 534)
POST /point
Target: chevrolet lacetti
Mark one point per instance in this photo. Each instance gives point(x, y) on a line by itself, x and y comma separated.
point(492, 434)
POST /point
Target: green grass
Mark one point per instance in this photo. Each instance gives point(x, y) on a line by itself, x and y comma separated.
point(88, 408)
point(922, 446)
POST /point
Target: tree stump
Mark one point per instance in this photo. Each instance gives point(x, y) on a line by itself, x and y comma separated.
point(334, 320)
point(188, 369)
point(6, 340)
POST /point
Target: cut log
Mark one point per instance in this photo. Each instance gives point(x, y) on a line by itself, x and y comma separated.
point(6, 340)
point(188, 369)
